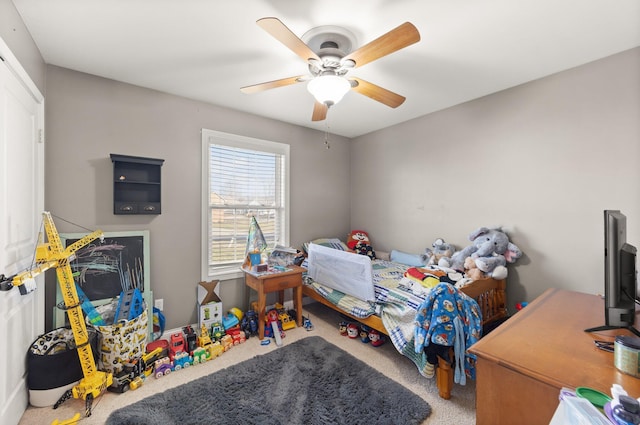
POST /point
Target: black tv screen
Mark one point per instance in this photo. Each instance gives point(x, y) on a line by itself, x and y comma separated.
point(619, 272)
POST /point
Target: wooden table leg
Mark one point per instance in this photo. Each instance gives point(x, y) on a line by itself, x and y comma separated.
point(297, 300)
point(262, 301)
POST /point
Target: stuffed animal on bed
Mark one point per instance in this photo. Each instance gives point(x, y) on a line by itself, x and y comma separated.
point(491, 250)
point(441, 249)
point(358, 241)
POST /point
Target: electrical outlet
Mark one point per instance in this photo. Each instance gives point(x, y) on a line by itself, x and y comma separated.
point(288, 305)
point(159, 304)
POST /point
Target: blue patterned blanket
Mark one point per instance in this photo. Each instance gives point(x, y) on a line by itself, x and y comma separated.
point(397, 301)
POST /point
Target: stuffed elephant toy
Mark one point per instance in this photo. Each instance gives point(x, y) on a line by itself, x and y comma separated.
point(491, 251)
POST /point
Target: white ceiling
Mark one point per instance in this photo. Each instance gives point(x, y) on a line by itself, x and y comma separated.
point(207, 49)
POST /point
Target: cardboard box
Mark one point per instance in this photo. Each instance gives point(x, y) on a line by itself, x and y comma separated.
point(209, 304)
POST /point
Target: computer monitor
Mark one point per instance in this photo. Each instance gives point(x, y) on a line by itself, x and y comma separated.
point(620, 278)
point(620, 291)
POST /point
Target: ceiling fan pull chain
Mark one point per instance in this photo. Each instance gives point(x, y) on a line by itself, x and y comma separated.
point(326, 134)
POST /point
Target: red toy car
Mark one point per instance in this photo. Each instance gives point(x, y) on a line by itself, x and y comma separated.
point(176, 344)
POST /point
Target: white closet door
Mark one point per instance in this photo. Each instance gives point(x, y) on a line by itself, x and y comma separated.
point(21, 205)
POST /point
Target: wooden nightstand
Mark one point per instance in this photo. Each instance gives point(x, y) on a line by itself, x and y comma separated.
point(270, 282)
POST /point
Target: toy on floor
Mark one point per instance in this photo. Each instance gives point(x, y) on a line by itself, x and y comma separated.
point(227, 342)
point(71, 421)
point(376, 338)
point(352, 330)
point(133, 372)
point(237, 335)
point(229, 320)
point(306, 323)
point(364, 333)
point(249, 323)
point(342, 327)
point(204, 341)
point(176, 344)
point(217, 331)
point(269, 329)
point(191, 338)
point(285, 317)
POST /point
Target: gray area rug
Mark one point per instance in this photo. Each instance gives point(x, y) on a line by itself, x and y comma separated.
point(309, 381)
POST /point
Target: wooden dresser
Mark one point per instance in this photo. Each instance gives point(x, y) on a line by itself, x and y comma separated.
point(523, 364)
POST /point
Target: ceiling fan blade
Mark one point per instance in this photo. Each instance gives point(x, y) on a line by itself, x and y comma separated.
point(273, 84)
point(280, 32)
point(385, 96)
point(319, 111)
point(396, 39)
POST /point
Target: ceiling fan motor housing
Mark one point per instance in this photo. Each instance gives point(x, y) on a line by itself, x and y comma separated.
point(331, 43)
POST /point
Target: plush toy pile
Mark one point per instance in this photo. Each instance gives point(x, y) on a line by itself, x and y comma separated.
point(488, 255)
point(358, 241)
point(440, 250)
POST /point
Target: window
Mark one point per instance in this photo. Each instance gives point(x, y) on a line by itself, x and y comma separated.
point(242, 177)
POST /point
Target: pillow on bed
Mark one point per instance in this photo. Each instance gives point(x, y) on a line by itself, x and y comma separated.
point(415, 260)
point(334, 243)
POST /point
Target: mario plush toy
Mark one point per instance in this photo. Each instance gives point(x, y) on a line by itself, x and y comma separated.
point(358, 241)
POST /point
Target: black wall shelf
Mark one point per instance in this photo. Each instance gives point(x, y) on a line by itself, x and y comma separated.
point(136, 184)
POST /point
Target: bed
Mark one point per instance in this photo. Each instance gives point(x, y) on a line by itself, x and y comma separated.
point(376, 293)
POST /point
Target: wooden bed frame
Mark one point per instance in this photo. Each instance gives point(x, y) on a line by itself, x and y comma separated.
point(490, 295)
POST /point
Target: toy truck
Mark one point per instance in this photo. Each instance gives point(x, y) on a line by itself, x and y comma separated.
point(215, 349)
point(176, 344)
point(217, 331)
point(133, 372)
point(237, 334)
point(191, 338)
point(200, 355)
point(249, 323)
point(182, 360)
point(227, 342)
point(162, 367)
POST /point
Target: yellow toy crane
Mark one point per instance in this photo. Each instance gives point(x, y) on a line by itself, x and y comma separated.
point(53, 255)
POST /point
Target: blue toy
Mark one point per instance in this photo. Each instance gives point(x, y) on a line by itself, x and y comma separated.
point(229, 320)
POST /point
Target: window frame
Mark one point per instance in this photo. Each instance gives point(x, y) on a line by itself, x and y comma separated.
point(233, 140)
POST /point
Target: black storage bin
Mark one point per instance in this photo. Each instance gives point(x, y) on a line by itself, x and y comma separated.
point(53, 365)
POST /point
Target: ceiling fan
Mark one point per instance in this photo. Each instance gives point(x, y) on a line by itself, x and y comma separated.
point(327, 51)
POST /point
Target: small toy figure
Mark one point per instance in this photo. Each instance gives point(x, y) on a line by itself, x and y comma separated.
point(352, 330)
point(306, 323)
point(191, 338)
point(272, 317)
point(217, 331)
point(237, 335)
point(342, 327)
point(177, 344)
point(249, 323)
point(376, 338)
point(229, 321)
point(227, 342)
point(364, 333)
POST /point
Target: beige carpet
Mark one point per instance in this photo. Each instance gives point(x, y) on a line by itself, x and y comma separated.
point(460, 409)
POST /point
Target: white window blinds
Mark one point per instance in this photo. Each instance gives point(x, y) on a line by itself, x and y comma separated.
point(244, 178)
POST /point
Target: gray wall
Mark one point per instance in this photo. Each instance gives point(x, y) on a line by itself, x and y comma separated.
point(543, 159)
point(15, 35)
point(89, 117)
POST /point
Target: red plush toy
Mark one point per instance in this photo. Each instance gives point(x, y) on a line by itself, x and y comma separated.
point(358, 241)
point(357, 236)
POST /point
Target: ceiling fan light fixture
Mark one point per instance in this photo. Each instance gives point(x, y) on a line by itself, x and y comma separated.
point(328, 89)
